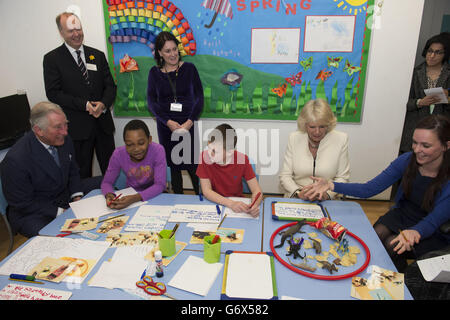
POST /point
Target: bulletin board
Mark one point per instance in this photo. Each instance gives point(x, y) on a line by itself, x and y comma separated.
point(257, 59)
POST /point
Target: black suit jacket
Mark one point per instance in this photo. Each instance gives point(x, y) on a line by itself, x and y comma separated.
point(33, 184)
point(65, 86)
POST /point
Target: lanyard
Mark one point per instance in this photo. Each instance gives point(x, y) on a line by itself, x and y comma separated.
point(173, 85)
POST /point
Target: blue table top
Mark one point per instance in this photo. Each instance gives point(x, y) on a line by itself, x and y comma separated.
point(85, 292)
point(256, 238)
point(350, 215)
point(252, 227)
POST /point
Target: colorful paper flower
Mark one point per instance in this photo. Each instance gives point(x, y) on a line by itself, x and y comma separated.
point(232, 78)
point(128, 64)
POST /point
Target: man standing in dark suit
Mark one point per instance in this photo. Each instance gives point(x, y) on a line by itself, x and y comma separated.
point(77, 78)
point(39, 173)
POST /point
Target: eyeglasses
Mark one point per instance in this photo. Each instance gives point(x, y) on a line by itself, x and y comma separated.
point(436, 52)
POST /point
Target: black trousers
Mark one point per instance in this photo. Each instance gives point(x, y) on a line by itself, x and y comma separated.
point(420, 288)
point(104, 146)
point(177, 180)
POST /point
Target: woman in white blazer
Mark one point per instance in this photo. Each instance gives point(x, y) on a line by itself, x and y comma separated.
point(315, 149)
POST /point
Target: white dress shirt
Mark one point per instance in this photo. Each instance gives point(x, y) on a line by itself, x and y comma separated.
point(74, 53)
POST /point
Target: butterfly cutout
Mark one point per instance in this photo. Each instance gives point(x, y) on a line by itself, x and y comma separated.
point(307, 63)
point(281, 90)
point(294, 80)
point(334, 62)
point(350, 69)
point(324, 75)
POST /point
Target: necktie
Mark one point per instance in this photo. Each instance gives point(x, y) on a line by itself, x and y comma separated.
point(54, 153)
point(82, 67)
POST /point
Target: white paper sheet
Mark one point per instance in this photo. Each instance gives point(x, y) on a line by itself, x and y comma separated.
point(275, 45)
point(95, 206)
point(194, 213)
point(149, 218)
point(40, 247)
point(123, 270)
point(436, 269)
point(438, 93)
point(329, 33)
point(196, 276)
point(249, 276)
point(298, 210)
point(203, 227)
point(19, 292)
point(231, 214)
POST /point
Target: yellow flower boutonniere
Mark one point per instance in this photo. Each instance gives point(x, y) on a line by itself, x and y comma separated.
point(91, 57)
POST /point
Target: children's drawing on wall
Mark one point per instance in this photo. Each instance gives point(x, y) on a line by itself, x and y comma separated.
point(256, 59)
point(275, 45)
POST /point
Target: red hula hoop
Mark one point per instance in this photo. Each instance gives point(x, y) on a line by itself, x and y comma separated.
point(319, 276)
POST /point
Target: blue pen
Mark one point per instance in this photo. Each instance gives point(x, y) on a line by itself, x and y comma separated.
point(144, 273)
point(200, 196)
point(218, 209)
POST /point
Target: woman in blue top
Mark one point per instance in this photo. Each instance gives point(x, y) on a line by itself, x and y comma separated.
point(422, 202)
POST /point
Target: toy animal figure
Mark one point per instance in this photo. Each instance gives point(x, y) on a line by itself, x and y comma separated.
point(343, 246)
point(303, 266)
point(294, 247)
point(232, 236)
point(316, 245)
point(329, 266)
point(289, 233)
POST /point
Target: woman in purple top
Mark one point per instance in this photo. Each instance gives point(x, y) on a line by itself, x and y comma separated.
point(422, 201)
point(175, 97)
point(142, 161)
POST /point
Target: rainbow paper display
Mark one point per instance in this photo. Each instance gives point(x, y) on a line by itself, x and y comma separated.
point(142, 21)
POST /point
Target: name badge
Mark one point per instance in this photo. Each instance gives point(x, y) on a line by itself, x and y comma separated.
point(178, 107)
point(91, 66)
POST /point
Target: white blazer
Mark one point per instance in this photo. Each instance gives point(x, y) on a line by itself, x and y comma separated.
point(331, 162)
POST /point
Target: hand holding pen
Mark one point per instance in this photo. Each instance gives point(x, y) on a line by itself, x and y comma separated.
point(110, 198)
point(253, 209)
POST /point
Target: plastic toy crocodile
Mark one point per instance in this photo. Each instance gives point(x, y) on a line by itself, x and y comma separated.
point(289, 233)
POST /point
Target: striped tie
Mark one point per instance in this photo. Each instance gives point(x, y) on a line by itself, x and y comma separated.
point(82, 67)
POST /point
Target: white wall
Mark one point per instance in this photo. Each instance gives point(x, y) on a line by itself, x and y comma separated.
point(373, 143)
point(433, 10)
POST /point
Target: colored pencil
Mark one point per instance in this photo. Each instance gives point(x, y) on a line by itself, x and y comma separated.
point(406, 239)
point(112, 217)
point(37, 282)
point(221, 221)
point(174, 230)
point(256, 198)
point(115, 198)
